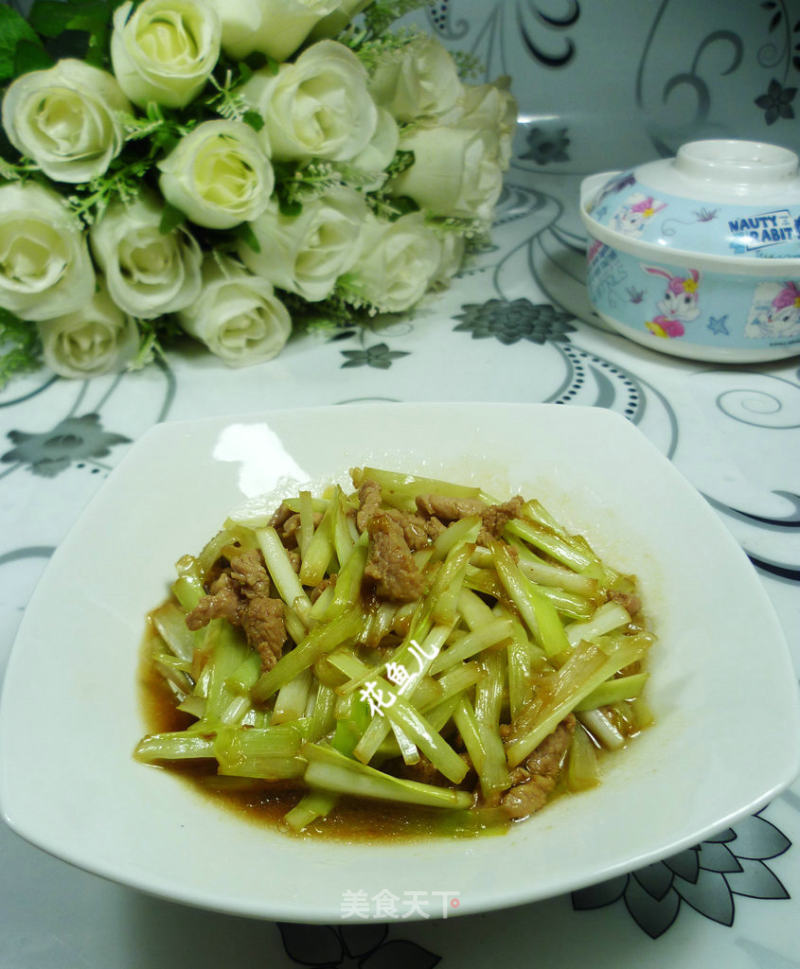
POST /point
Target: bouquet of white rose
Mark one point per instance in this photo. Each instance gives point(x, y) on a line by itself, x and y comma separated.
point(226, 169)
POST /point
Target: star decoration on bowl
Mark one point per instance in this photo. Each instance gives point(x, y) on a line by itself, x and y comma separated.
point(719, 325)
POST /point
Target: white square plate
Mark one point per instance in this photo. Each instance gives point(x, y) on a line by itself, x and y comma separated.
point(726, 740)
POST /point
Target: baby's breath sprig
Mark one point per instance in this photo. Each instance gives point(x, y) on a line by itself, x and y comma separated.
point(473, 230)
point(160, 131)
point(298, 183)
point(122, 182)
point(469, 65)
point(390, 207)
point(20, 346)
point(20, 172)
point(332, 313)
point(163, 130)
point(387, 206)
point(381, 14)
point(349, 293)
point(402, 161)
point(230, 105)
point(153, 335)
point(370, 50)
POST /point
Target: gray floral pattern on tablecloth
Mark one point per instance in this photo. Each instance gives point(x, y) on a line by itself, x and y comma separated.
point(74, 440)
point(365, 946)
point(706, 877)
point(378, 355)
point(511, 321)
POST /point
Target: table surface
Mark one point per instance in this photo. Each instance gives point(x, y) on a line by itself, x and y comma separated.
point(515, 326)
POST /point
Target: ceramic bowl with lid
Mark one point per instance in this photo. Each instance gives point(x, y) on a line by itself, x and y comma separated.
point(699, 255)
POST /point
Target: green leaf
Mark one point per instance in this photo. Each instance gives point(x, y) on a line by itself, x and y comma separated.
point(255, 61)
point(20, 346)
point(290, 208)
point(13, 29)
point(164, 139)
point(76, 18)
point(254, 119)
point(171, 218)
point(381, 14)
point(248, 237)
point(403, 205)
point(49, 18)
point(30, 56)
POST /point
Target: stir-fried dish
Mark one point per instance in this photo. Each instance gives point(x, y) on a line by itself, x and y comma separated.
point(414, 641)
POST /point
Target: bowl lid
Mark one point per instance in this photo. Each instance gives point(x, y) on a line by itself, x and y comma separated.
point(720, 197)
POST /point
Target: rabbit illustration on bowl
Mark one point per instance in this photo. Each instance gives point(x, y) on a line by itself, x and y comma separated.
point(679, 304)
point(775, 315)
point(634, 213)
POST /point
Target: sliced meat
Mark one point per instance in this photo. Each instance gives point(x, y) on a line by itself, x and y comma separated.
point(528, 797)
point(241, 594)
point(415, 528)
point(390, 564)
point(282, 514)
point(291, 527)
point(630, 603)
point(263, 625)
point(222, 602)
point(493, 517)
point(535, 781)
point(369, 503)
point(250, 574)
point(496, 517)
point(423, 771)
point(449, 509)
point(434, 527)
point(548, 757)
point(318, 589)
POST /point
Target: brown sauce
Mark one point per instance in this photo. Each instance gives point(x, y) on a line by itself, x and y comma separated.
point(265, 803)
point(262, 803)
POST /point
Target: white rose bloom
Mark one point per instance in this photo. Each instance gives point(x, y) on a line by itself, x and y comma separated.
point(91, 340)
point(397, 263)
point(418, 81)
point(375, 158)
point(237, 316)
point(165, 50)
point(490, 106)
point(147, 272)
point(45, 268)
point(218, 175)
point(273, 27)
point(317, 107)
point(66, 119)
point(456, 171)
point(306, 254)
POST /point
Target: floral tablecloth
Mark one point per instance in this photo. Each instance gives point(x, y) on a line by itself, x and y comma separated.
point(516, 326)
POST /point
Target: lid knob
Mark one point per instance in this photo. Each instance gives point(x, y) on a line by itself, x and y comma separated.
point(745, 163)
